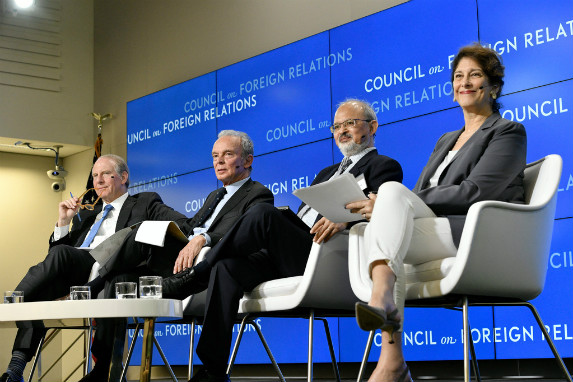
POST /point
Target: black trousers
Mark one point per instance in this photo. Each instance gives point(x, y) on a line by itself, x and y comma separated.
point(132, 260)
point(64, 266)
point(262, 245)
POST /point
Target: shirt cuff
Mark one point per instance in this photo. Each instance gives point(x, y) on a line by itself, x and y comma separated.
point(207, 239)
point(60, 232)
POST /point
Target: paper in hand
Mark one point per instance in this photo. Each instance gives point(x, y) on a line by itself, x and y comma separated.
point(330, 198)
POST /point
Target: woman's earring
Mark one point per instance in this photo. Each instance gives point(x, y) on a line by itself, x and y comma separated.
point(493, 95)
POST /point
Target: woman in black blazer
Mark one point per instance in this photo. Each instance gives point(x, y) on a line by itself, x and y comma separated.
point(484, 160)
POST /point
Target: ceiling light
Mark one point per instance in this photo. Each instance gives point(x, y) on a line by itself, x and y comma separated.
point(23, 4)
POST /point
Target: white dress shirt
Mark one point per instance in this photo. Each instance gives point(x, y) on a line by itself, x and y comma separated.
point(107, 227)
point(202, 230)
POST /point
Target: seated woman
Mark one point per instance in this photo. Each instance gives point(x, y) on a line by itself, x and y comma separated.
point(484, 160)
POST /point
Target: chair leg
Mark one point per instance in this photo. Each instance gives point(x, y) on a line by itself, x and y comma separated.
point(236, 345)
point(365, 356)
point(130, 350)
point(191, 349)
point(549, 341)
point(331, 348)
point(36, 357)
point(165, 361)
point(474, 358)
point(88, 350)
point(310, 343)
point(466, 337)
point(269, 353)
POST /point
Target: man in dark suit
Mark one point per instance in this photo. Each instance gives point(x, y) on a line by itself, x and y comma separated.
point(232, 160)
point(264, 244)
point(69, 261)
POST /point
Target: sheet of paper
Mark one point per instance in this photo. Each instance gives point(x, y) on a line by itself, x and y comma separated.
point(329, 198)
point(153, 232)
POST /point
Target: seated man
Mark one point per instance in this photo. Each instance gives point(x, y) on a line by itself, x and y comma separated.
point(69, 261)
point(232, 160)
point(265, 245)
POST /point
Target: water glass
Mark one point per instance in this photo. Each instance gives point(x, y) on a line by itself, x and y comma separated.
point(13, 296)
point(125, 290)
point(150, 287)
point(80, 292)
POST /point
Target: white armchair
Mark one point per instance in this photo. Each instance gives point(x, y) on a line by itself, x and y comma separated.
point(324, 289)
point(501, 260)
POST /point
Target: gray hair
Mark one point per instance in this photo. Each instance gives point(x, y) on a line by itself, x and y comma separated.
point(119, 165)
point(364, 107)
point(247, 147)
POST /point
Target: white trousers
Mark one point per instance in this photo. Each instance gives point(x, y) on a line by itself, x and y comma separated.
point(403, 229)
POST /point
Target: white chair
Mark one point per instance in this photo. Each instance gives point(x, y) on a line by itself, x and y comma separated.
point(324, 289)
point(501, 260)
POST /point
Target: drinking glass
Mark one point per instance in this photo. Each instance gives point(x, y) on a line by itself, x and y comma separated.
point(125, 290)
point(150, 287)
point(81, 292)
point(13, 296)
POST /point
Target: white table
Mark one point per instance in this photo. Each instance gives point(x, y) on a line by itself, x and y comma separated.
point(69, 314)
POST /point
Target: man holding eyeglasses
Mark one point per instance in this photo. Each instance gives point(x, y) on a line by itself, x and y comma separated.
point(264, 244)
point(69, 261)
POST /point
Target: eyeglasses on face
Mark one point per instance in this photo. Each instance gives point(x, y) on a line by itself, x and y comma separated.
point(347, 124)
point(89, 207)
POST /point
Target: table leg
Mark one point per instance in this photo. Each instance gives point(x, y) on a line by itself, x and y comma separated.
point(147, 349)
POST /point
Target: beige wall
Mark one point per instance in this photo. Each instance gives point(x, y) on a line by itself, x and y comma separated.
point(52, 116)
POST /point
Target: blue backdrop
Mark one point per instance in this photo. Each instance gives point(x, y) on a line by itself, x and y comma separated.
point(399, 60)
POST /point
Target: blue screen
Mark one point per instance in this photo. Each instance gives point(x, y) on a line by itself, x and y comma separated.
point(399, 60)
point(287, 89)
point(401, 69)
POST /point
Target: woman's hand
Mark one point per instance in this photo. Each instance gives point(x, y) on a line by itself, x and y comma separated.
point(363, 207)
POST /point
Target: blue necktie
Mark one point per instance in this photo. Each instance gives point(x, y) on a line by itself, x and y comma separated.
point(95, 227)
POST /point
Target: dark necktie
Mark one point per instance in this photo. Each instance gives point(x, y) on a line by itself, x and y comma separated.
point(211, 207)
point(344, 165)
point(95, 227)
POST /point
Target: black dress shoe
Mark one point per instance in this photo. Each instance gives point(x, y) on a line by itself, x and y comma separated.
point(185, 283)
point(98, 374)
point(6, 378)
point(203, 375)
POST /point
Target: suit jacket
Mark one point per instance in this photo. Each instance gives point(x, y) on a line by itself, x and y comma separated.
point(135, 209)
point(489, 166)
point(377, 169)
point(247, 195)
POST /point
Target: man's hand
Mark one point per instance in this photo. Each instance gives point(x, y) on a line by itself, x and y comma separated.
point(325, 229)
point(66, 211)
point(363, 207)
point(188, 253)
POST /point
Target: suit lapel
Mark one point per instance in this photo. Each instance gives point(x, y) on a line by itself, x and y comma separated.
point(357, 169)
point(124, 213)
point(438, 157)
point(234, 200)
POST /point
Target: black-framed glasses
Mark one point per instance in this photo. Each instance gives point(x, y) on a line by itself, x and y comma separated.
point(89, 207)
point(347, 123)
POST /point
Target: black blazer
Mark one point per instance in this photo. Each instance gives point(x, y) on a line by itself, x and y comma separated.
point(135, 209)
point(489, 166)
point(377, 169)
point(247, 195)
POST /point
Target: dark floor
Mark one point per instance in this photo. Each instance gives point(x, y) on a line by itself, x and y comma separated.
point(442, 371)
